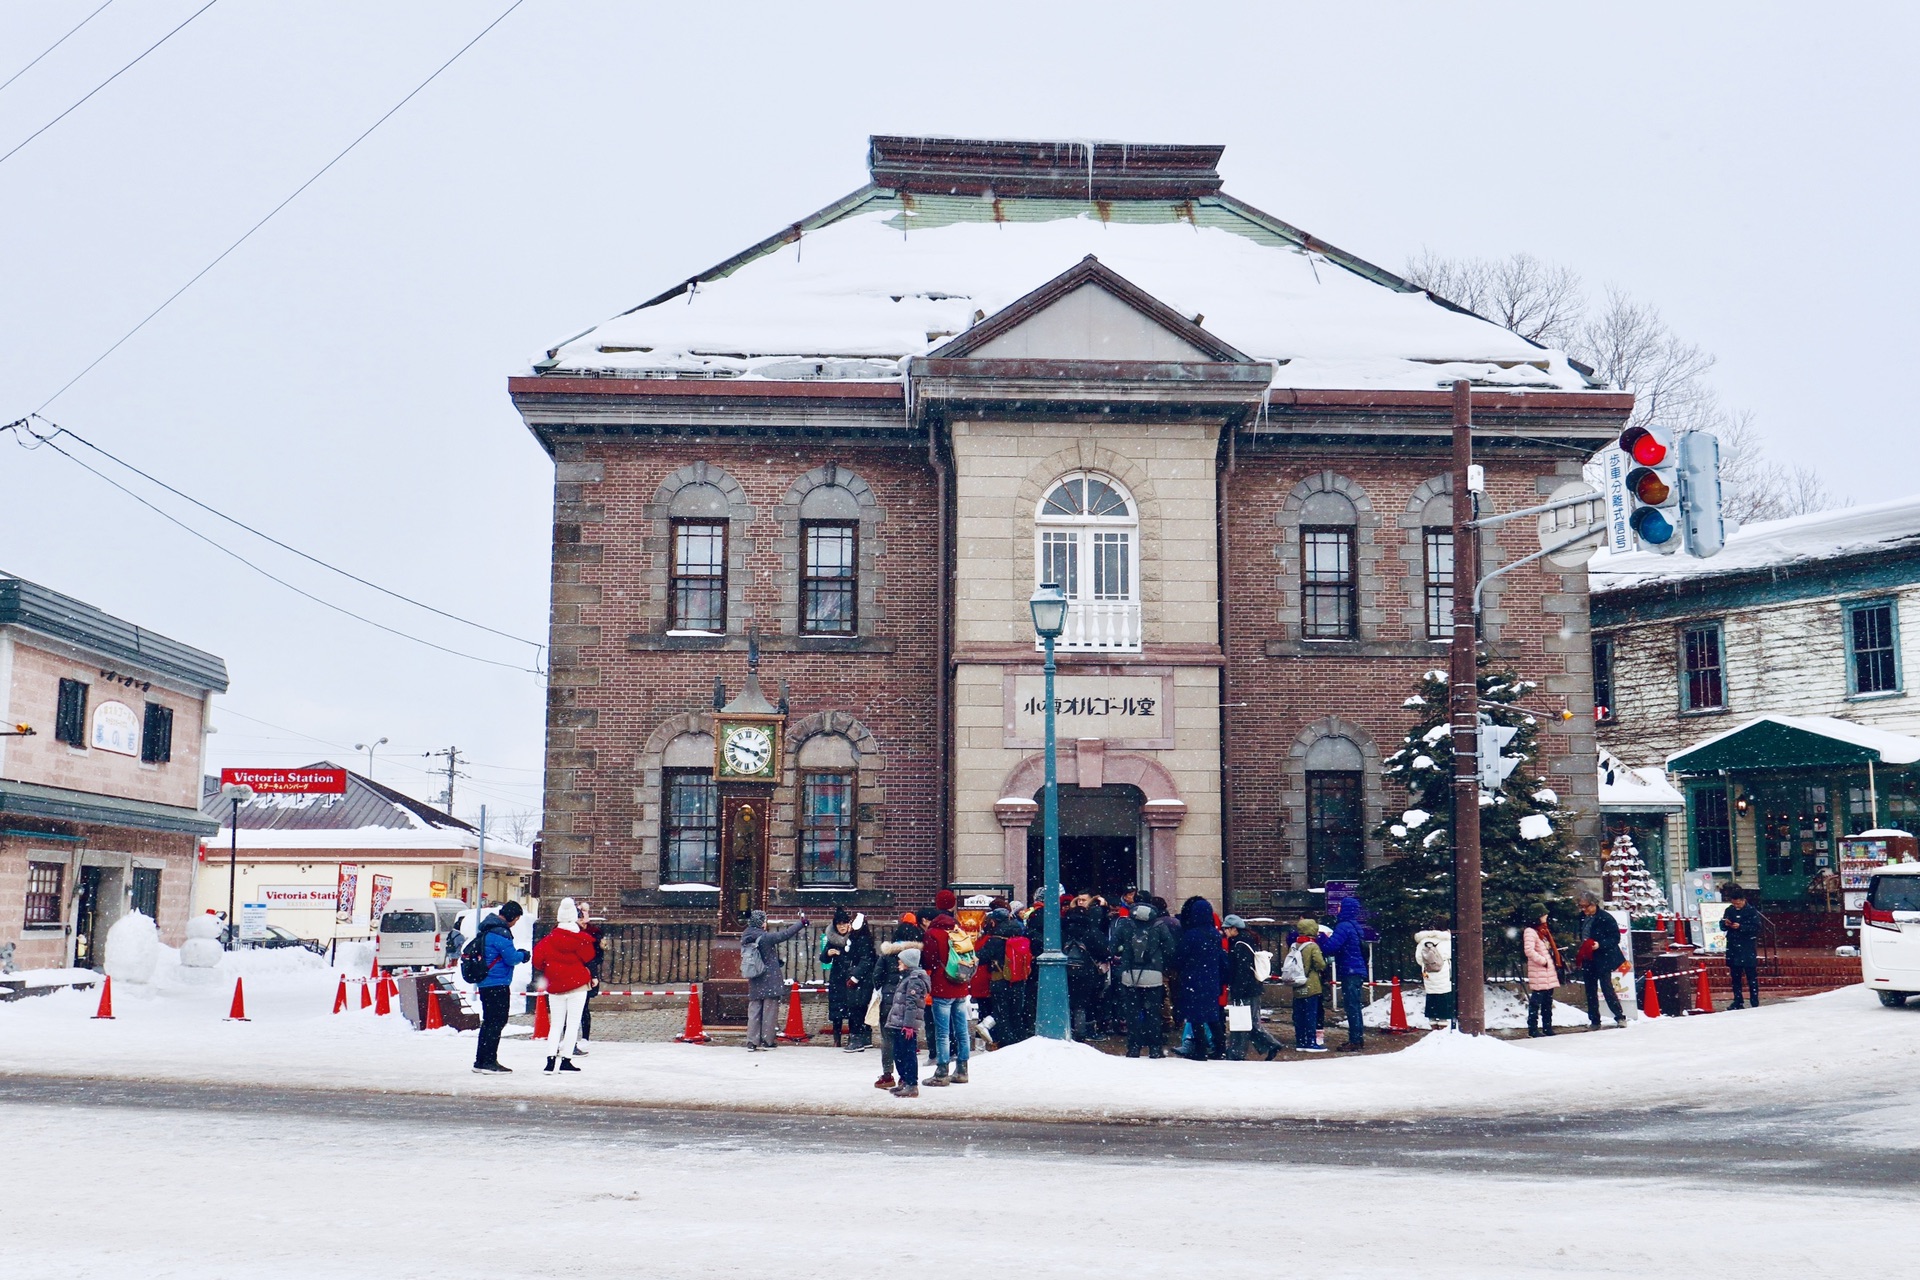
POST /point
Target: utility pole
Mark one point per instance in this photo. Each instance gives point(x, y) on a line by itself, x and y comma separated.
point(452, 756)
point(1469, 960)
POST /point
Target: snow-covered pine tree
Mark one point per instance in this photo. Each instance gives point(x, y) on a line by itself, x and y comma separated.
point(1413, 888)
point(1630, 886)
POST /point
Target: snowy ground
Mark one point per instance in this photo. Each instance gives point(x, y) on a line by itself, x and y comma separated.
point(1836, 1045)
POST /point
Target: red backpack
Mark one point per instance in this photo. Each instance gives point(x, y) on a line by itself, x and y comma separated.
point(1018, 966)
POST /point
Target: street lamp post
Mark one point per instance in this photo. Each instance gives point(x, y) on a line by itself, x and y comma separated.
point(236, 794)
point(369, 748)
point(1052, 1019)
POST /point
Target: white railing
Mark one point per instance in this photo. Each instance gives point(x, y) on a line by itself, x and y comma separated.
point(1112, 626)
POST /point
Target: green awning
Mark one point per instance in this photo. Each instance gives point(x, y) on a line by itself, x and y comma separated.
point(30, 800)
point(1795, 742)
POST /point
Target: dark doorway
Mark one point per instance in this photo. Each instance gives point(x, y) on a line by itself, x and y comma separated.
point(1099, 840)
point(146, 891)
point(86, 919)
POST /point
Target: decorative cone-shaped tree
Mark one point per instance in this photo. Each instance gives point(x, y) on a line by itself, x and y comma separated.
point(1525, 848)
point(1630, 887)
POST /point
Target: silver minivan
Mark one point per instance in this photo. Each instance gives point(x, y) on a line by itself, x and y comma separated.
point(414, 933)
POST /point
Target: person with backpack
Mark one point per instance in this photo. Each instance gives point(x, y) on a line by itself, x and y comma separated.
point(1246, 980)
point(1304, 971)
point(906, 1020)
point(1544, 972)
point(951, 960)
point(886, 981)
point(1142, 954)
point(561, 959)
point(488, 962)
point(1083, 939)
point(1345, 947)
point(1007, 954)
point(1202, 977)
point(761, 966)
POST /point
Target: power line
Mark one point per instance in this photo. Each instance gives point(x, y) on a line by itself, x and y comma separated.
point(50, 48)
point(222, 256)
point(170, 518)
point(59, 430)
point(104, 83)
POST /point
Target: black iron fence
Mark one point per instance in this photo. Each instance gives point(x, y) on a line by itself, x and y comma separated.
point(642, 956)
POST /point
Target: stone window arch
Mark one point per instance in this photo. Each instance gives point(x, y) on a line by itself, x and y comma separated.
point(698, 492)
point(1332, 771)
point(829, 791)
point(1328, 520)
point(680, 746)
point(1087, 541)
point(1128, 477)
point(823, 511)
point(1429, 508)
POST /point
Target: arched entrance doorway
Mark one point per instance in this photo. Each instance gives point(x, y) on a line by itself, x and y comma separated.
point(1102, 838)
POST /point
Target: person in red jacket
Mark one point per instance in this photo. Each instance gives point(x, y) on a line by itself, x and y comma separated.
point(561, 959)
point(951, 1038)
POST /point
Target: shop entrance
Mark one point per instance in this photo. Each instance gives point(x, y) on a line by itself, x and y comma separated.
point(1796, 839)
point(1102, 838)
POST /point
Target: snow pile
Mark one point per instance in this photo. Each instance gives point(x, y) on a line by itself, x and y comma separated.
point(133, 948)
point(1506, 1010)
point(1771, 544)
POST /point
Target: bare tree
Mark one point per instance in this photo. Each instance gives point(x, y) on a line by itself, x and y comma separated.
point(517, 825)
point(1541, 302)
point(1629, 345)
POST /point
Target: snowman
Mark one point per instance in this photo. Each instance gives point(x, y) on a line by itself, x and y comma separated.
point(202, 948)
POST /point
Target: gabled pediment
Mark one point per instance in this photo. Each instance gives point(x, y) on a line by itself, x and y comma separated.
point(1088, 313)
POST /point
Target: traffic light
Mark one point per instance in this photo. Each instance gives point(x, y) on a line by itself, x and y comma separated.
point(1699, 475)
point(1653, 489)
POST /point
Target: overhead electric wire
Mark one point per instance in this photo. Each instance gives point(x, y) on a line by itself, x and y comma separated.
point(104, 83)
point(229, 551)
point(50, 48)
point(481, 787)
point(59, 430)
point(245, 236)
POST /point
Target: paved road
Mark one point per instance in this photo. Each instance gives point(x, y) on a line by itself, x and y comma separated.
point(1785, 1146)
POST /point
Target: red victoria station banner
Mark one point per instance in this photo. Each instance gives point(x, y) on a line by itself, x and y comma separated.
point(285, 782)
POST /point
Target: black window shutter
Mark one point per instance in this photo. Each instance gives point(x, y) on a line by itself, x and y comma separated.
point(70, 718)
point(156, 735)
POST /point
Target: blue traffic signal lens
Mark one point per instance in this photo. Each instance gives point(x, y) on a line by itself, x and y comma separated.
point(1651, 527)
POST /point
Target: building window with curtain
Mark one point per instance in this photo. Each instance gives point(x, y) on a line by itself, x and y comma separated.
point(1712, 828)
point(1873, 651)
point(1086, 539)
point(43, 893)
point(829, 577)
point(697, 589)
point(1702, 683)
point(1336, 827)
point(690, 828)
point(826, 830)
point(1437, 545)
point(1327, 586)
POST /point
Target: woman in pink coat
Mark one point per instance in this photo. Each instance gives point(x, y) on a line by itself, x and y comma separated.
point(1543, 974)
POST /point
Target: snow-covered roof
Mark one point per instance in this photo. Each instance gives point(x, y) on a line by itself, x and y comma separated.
point(364, 805)
point(1624, 787)
point(1772, 544)
point(1892, 748)
point(853, 292)
point(440, 844)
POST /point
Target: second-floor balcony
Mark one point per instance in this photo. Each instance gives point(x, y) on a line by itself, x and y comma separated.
point(1110, 626)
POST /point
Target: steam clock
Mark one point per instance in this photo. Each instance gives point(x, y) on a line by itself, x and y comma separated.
point(747, 750)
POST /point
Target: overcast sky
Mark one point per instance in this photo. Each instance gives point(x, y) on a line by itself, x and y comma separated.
point(340, 381)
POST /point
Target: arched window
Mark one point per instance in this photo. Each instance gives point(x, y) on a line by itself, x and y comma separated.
point(827, 812)
point(1336, 827)
point(689, 814)
point(1328, 574)
point(1087, 539)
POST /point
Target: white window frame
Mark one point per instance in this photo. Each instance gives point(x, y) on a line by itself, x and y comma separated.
point(1094, 621)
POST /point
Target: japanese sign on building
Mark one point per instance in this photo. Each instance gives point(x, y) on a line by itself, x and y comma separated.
point(1116, 708)
point(116, 728)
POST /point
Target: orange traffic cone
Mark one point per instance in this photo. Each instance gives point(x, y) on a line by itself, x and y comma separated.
point(238, 1013)
point(366, 993)
point(381, 1006)
point(1651, 1005)
point(106, 1000)
point(1396, 1012)
point(542, 1019)
point(1703, 996)
point(430, 1021)
point(696, 1030)
point(340, 996)
point(796, 1032)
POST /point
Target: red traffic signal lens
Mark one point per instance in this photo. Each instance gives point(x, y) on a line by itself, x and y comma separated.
point(1643, 446)
point(1649, 488)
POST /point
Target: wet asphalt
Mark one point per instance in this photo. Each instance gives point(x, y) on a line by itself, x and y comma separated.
point(1801, 1145)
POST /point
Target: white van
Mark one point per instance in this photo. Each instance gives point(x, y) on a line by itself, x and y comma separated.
point(414, 933)
point(1890, 933)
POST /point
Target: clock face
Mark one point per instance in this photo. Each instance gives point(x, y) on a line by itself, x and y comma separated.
point(748, 750)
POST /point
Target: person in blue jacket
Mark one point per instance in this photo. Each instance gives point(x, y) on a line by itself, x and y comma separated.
point(1348, 951)
point(497, 946)
point(1203, 973)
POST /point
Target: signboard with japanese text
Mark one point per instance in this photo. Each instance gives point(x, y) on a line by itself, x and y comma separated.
point(349, 889)
point(1132, 710)
point(288, 782)
point(115, 728)
point(253, 921)
point(382, 895)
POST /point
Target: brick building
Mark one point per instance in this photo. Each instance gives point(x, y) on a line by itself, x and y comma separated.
point(99, 806)
point(863, 441)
